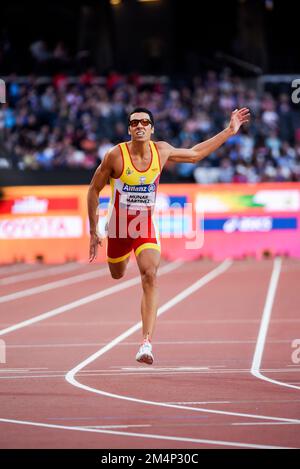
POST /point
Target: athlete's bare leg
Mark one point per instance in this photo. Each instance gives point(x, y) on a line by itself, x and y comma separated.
point(118, 269)
point(148, 261)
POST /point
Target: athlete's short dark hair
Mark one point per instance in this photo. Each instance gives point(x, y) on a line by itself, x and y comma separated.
point(142, 109)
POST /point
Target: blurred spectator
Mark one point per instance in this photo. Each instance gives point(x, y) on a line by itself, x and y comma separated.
point(104, 146)
point(39, 51)
point(60, 51)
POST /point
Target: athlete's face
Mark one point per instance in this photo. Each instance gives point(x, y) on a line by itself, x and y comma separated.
point(140, 127)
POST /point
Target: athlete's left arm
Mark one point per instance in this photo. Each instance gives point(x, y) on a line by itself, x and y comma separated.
point(201, 150)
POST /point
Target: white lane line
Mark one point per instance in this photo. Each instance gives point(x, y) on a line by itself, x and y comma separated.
point(30, 346)
point(41, 273)
point(88, 299)
point(92, 373)
point(143, 435)
point(241, 424)
point(254, 401)
point(201, 402)
point(173, 368)
point(51, 285)
point(232, 321)
point(33, 376)
point(263, 330)
point(126, 344)
point(116, 426)
point(11, 268)
point(22, 370)
point(70, 376)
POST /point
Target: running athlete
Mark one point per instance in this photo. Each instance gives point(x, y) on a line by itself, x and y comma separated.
point(133, 169)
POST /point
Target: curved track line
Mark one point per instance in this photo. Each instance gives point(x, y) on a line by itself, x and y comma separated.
point(263, 330)
point(70, 376)
point(88, 299)
point(144, 435)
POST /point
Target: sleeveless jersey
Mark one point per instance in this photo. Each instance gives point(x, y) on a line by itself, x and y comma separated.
point(136, 189)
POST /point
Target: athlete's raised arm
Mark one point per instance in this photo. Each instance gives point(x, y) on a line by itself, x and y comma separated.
point(99, 180)
point(203, 149)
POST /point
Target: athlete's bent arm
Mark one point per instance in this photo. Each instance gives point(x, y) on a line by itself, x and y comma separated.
point(98, 182)
point(201, 150)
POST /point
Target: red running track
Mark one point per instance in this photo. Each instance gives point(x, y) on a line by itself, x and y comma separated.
point(225, 374)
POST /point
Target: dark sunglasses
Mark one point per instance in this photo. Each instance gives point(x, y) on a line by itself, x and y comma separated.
point(135, 122)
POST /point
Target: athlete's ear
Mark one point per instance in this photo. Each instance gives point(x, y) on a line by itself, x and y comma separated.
point(129, 131)
point(152, 130)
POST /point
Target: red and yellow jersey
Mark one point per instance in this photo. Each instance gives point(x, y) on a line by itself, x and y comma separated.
point(136, 189)
point(130, 217)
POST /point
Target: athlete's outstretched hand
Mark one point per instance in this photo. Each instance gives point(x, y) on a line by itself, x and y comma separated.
point(95, 240)
point(238, 118)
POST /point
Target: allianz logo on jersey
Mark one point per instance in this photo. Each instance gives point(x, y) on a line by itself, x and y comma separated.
point(139, 188)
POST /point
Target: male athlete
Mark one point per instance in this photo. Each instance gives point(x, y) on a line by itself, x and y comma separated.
point(133, 169)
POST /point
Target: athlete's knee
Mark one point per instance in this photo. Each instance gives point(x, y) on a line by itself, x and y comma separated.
point(117, 275)
point(149, 276)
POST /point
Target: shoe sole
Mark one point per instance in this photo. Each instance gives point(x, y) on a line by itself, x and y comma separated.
point(146, 359)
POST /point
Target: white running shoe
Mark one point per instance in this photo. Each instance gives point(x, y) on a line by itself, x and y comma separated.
point(144, 354)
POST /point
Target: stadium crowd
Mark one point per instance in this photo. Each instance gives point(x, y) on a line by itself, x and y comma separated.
point(70, 124)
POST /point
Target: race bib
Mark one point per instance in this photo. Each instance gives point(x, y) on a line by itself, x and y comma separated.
point(139, 196)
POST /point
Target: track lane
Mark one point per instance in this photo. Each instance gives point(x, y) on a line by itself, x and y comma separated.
point(182, 423)
point(179, 279)
point(249, 383)
point(37, 272)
